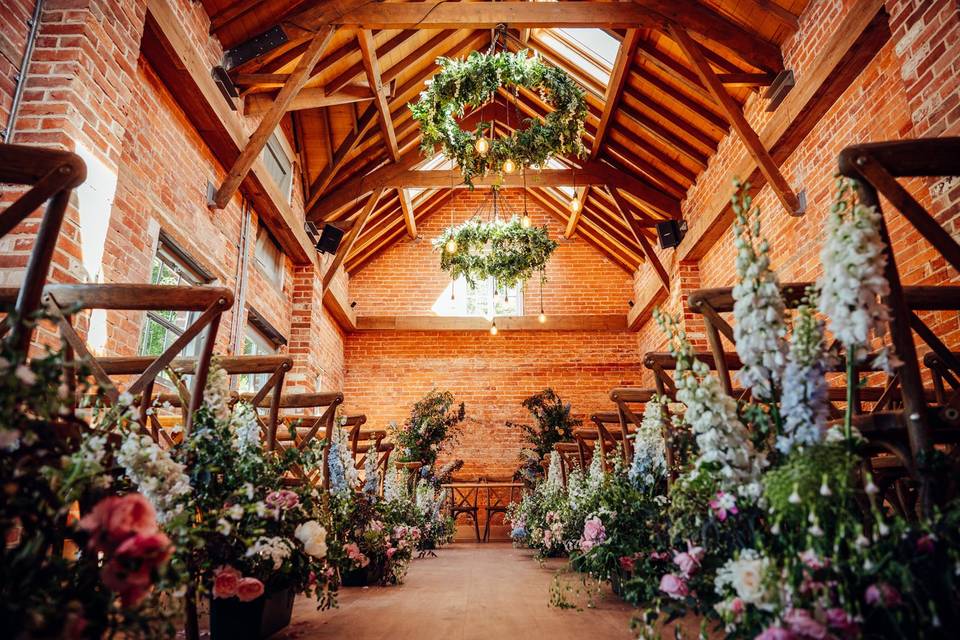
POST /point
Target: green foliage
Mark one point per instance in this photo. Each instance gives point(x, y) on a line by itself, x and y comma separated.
point(433, 422)
point(471, 83)
point(505, 251)
point(553, 424)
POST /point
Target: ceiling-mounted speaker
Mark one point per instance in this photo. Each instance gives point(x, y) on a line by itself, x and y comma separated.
point(671, 232)
point(330, 237)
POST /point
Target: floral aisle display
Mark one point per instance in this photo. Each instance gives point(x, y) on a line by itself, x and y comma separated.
point(472, 83)
point(436, 527)
point(433, 422)
point(552, 424)
point(63, 577)
point(377, 535)
point(537, 521)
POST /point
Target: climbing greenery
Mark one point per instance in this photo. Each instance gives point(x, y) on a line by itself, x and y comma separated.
point(506, 251)
point(474, 82)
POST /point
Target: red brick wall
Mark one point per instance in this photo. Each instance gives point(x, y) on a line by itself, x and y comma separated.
point(13, 40)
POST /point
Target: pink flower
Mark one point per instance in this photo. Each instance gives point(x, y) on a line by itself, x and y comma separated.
point(627, 563)
point(249, 589)
point(736, 606)
point(593, 530)
point(225, 582)
point(925, 544)
point(776, 633)
point(812, 560)
point(282, 499)
point(674, 586)
point(803, 624)
point(152, 549)
point(843, 622)
point(725, 504)
point(132, 585)
point(391, 551)
point(659, 555)
point(114, 519)
point(882, 593)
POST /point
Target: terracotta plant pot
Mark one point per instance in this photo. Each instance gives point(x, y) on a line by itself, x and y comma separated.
point(231, 619)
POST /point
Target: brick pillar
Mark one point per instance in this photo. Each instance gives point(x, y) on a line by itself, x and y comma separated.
point(688, 280)
point(316, 341)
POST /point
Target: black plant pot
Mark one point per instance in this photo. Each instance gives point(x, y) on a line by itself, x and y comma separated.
point(231, 619)
point(617, 580)
point(364, 577)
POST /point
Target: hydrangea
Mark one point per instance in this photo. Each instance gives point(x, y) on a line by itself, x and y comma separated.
point(722, 439)
point(371, 484)
point(161, 479)
point(853, 278)
point(649, 448)
point(804, 401)
point(758, 306)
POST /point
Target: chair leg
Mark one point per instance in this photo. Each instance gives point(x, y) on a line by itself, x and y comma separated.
point(476, 524)
point(486, 529)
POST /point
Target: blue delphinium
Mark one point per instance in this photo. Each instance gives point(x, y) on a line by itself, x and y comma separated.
point(338, 478)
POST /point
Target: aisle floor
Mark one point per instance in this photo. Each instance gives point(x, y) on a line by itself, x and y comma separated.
point(471, 591)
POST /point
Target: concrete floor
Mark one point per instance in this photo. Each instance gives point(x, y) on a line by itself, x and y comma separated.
point(470, 592)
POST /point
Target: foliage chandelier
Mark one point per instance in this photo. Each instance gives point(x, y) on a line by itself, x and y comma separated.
point(473, 83)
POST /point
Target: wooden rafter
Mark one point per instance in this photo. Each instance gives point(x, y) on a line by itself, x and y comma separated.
point(347, 243)
point(272, 117)
point(409, 219)
point(371, 65)
point(637, 231)
point(749, 137)
point(340, 156)
point(618, 80)
point(312, 98)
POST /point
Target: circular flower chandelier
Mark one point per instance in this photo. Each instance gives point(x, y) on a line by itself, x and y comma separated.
point(474, 82)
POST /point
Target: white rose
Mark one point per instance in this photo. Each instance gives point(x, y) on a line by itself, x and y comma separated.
point(748, 580)
point(314, 538)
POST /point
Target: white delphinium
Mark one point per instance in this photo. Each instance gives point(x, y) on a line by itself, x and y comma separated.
point(554, 473)
point(246, 428)
point(350, 471)
point(216, 395)
point(576, 487)
point(758, 306)
point(649, 448)
point(722, 438)
point(853, 279)
point(391, 484)
point(595, 472)
point(804, 402)
point(371, 482)
point(161, 479)
point(275, 549)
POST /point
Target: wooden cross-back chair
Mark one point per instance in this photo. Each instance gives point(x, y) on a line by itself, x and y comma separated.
point(587, 438)
point(613, 432)
point(62, 301)
point(912, 432)
point(466, 501)
point(276, 366)
point(300, 429)
point(942, 375)
point(499, 500)
point(570, 456)
point(51, 175)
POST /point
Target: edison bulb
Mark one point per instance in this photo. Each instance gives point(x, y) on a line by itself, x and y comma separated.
point(542, 317)
point(509, 166)
point(482, 146)
point(574, 205)
point(525, 221)
point(493, 329)
point(451, 245)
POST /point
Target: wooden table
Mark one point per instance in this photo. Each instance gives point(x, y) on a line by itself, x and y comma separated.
point(465, 498)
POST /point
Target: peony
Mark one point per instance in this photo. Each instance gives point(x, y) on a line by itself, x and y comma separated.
point(882, 594)
point(746, 576)
point(132, 585)
point(627, 563)
point(776, 633)
point(689, 561)
point(114, 519)
point(802, 623)
point(314, 538)
point(249, 589)
point(282, 499)
point(225, 582)
point(674, 586)
point(151, 549)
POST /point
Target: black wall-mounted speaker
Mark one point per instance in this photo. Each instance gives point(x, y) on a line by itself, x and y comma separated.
point(330, 237)
point(671, 232)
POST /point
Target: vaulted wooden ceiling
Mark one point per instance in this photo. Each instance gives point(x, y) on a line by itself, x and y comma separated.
point(651, 131)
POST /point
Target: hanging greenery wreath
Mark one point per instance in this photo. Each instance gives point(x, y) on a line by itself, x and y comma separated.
point(507, 251)
point(474, 82)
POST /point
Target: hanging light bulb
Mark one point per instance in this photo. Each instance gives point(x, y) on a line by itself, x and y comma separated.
point(482, 145)
point(525, 221)
point(542, 317)
point(451, 245)
point(493, 328)
point(509, 166)
point(575, 204)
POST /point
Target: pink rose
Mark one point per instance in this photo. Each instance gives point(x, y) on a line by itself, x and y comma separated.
point(925, 544)
point(152, 549)
point(802, 623)
point(594, 531)
point(686, 563)
point(736, 606)
point(132, 585)
point(249, 589)
point(114, 519)
point(776, 633)
point(225, 582)
point(882, 593)
point(842, 622)
point(391, 551)
point(282, 499)
point(674, 586)
point(627, 563)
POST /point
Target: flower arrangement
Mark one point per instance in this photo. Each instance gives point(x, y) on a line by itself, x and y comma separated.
point(436, 527)
point(433, 422)
point(506, 251)
point(472, 83)
point(552, 424)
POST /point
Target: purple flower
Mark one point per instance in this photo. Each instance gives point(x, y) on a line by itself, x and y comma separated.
point(776, 633)
point(882, 594)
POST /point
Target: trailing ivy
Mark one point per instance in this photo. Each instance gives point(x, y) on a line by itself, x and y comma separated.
point(506, 251)
point(474, 82)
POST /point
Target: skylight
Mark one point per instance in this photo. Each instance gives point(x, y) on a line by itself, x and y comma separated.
point(592, 51)
point(553, 163)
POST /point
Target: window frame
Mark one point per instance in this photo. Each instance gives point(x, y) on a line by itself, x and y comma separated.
point(276, 274)
point(278, 147)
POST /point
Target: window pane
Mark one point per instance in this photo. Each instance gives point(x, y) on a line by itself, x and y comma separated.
point(269, 257)
point(278, 164)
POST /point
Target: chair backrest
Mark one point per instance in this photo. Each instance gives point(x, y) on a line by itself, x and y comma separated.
point(310, 425)
point(464, 498)
point(52, 176)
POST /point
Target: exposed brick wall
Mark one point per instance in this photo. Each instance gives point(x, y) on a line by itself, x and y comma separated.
point(13, 40)
point(407, 279)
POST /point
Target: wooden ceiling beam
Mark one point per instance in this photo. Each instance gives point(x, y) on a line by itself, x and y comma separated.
point(364, 124)
point(347, 243)
point(361, 185)
point(617, 154)
point(231, 12)
point(409, 217)
point(652, 257)
point(618, 80)
point(356, 70)
point(693, 106)
point(272, 118)
point(665, 135)
point(747, 135)
point(371, 65)
point(311, 98)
